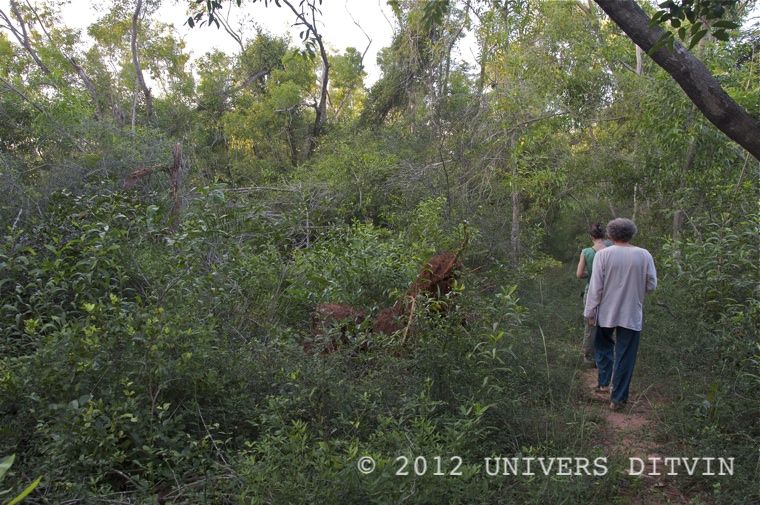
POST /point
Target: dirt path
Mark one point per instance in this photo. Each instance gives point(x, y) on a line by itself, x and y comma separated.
point(630, 433)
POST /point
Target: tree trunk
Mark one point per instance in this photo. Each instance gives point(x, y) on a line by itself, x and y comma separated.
point(134, 109)
point(514, 236)
point(319, 121)
point(678, 215)
point(635, 201)
point(690, 73)
point(449, 48)
point(320, 108)
point(175, 179)
point(136, 62)
point(248, 81)
point(88, 84)
point(677, 224)
point(482, 75)
point(639, 61)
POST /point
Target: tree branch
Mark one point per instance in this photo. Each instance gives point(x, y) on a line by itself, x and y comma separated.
point(136, 61)
point(23, 35)
point(690, 73)
point(311, 27)
point(247, 82)
point(88, 83)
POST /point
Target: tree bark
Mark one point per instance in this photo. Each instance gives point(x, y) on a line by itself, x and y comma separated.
point(690, 73)
point(449, 48)
point(88, 84)
point(678, 215)
point(136, 62)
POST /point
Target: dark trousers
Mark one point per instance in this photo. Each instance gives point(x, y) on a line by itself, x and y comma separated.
point(615, 359)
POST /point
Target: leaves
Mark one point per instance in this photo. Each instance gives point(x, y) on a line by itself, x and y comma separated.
point(5, 465)
point(693, 19)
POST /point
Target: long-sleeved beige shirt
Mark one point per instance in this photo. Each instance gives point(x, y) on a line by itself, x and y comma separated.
point(622, 275)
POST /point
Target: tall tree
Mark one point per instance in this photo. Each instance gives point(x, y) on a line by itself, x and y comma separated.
point(305, 12)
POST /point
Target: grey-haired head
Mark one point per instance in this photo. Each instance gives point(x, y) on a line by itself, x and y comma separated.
point(621, 229)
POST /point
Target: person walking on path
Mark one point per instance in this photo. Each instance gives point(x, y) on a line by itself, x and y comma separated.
point(583, 271)
point(621, 276)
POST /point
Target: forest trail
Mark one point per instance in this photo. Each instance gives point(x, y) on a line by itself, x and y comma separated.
point(629, 433)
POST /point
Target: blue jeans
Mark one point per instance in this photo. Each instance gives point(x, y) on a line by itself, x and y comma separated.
point(615, 359)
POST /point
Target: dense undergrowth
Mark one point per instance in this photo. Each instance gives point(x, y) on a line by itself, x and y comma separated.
point(159, 363)
point(165, 364)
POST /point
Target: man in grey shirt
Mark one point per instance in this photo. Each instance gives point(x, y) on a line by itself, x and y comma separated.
point(622, 274)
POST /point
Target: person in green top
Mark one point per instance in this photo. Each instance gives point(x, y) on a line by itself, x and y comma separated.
point(585, 266)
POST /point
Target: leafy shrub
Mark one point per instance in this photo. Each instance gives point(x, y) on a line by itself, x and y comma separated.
point(720, 267)
point(361, 265)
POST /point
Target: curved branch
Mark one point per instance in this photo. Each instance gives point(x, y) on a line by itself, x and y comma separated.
point(247, 81)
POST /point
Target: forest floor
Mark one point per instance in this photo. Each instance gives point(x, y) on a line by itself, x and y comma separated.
point(634, 432)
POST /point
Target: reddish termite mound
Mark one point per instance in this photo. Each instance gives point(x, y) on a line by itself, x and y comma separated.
point(434, 280)
point(327, 316)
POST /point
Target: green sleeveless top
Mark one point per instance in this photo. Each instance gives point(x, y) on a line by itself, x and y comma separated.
point(588, 256)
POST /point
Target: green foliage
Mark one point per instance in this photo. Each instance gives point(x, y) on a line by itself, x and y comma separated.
point(347, 83)
point(694, 19)
point(361, 265)
point(709, 290)
point(128, 369)
point(720, 268)
point(146, 360)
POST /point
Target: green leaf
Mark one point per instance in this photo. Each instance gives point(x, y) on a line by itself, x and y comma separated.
point(697, 37)
point(725, 24)
point(721, 35)
point(675, 22)
point(5, 465)
point(25, 492)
